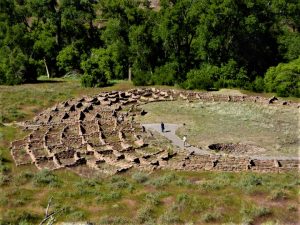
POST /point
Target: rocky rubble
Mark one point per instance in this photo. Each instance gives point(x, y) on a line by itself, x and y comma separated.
point(100, 133)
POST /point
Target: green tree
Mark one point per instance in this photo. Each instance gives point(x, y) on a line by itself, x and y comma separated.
point(94, 71)
point(121, 16)
point(16, 64)
point(238, 30)
point(177, 25)
point(284, 79)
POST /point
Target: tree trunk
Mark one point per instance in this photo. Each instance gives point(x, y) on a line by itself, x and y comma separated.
point(47, 71)
point(129, 73)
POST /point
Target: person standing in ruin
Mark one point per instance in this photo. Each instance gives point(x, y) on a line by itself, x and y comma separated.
point(162, 126)
point(184, 141)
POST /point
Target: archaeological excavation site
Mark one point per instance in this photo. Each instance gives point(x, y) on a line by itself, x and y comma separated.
point(101, 134)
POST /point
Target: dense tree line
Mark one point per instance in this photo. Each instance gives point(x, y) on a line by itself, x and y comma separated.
point(197, 44)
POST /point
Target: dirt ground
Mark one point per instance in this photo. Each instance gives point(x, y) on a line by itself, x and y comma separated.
point(267, 130)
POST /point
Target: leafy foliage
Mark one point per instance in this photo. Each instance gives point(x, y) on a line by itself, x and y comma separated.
point(195, 44)
point(284, 79)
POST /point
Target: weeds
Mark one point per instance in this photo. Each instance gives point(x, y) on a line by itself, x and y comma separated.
point(250, 213)
point(4, 179)
point(118, 182)
point(108, 197)
point(292, 208)
point(170, 216)
point(140, 177)
point(24, 177)
point(163, 180)
point(278, 195)
point(11, 217)
point(210, 217)
point(46, 178)
point(153, 198)
point(249, 182)
point(114, 220)
point(76, 215)
point(145, 214)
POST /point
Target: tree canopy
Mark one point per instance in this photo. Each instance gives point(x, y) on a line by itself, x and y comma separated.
point(202, 44)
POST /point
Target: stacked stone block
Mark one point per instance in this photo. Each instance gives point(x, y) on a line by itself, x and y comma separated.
point(100, 133)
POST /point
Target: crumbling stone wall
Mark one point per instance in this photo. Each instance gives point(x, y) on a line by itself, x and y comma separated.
point(100, 133)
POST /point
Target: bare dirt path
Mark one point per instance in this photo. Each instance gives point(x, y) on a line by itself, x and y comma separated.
point(170, 134)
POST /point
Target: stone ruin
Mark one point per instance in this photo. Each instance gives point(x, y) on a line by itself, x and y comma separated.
point(100, 134)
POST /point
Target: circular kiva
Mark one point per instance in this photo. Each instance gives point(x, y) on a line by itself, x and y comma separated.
point(100, 134)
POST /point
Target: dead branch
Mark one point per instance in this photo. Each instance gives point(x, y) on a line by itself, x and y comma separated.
point(50, 216)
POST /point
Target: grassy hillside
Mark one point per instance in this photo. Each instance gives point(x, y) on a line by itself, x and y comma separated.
point(162, 197)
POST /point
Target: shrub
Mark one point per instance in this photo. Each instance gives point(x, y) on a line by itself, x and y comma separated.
point(141, 77)
point(170, 216)
point(183, 182)
point(262, 211)
point(163, 180)
point(24, 177)
point(210, 217)
point(292, 208)
point(249, 181)
point(107, 197)
point(4, 179)
point(233, 75)
point(140, 177)
point(77, 215)
point(94, 74)
point(182, 201)
point(252, 212)
point(96, 79)
point(16, 67)
point(68, 58)
point(284, 79)
point(202, 78)
point(15, 217)
point(3, 167)
point(144, 214)
point(166, 74)
point(118, 182)
point(46, 178)
point(87, 81)
point(278, 195)
point(153, 198)
point(87, 183)
point(258, 84)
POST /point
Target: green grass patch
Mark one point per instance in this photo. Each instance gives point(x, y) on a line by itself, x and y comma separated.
point(162, 197)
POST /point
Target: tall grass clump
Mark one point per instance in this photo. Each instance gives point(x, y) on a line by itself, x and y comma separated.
point(145, 214)
point(46, 178)
point(140, 177)
point(210, 217)
point(278, 194)
point(154, 198)
point(109, 197)
point(249, 182)
point(114, 220)
point(164, 180)
point(251, 213)
point(170, 216)
point(118, 182)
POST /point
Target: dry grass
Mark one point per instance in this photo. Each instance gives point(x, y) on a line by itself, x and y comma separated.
point(274, 128)
point(161, 197)
point(24, 101)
